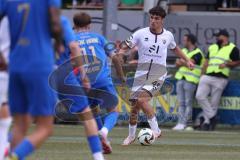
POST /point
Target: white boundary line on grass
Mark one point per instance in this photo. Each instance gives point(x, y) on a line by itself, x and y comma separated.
point(65, 139)
point(169, 130)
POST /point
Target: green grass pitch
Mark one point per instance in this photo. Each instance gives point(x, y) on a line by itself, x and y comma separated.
point(68, 143)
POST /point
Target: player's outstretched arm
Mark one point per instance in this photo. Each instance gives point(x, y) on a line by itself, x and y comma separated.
point(179, 53)
point(76, 60)
point(123, 48)
point(118, 67)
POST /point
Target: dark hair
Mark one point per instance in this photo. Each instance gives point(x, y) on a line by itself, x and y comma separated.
point(222, 32)
point(81, 19)
point(158, 11)
point(192, 38)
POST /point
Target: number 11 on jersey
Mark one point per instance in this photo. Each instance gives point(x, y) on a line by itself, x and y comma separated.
point(93, 53)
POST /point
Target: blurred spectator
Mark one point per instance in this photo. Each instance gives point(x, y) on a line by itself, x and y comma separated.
point(86, 2)
point(126, 3)
point(222, 57)
point(187, 81)
point(224, 3)
point(95, 3)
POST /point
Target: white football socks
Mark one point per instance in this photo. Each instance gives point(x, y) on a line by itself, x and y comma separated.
point(4, 127)
point(104, 132)
point(132, 130)
point(98, 156)
point(154, 124)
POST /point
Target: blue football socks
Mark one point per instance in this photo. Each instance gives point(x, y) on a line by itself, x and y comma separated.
point(24, 149)
point(110, 120)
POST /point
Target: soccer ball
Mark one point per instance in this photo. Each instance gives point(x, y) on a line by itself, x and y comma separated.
point(146, 137)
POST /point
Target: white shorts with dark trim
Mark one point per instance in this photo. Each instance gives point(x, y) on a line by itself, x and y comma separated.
point(150, 83)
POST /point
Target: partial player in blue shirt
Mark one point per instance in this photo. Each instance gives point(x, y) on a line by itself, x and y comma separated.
point(96, 59)
point(31, 25)
point(79, 102)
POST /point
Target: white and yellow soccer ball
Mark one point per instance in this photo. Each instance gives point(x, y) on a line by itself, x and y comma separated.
point(146, 137)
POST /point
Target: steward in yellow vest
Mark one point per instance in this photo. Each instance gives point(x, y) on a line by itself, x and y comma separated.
point(194, 74)
point(222, 56)
point(219, 56)
point(187, 81)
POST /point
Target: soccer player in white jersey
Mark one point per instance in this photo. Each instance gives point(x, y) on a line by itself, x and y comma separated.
point(5, 119)
point(152, 43)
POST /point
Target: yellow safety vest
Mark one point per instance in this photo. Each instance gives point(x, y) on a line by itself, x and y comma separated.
point(219, 56)
point(190, 75)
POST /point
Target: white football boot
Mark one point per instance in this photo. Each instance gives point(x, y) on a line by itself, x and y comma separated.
point(129, 140)
point(179, 127)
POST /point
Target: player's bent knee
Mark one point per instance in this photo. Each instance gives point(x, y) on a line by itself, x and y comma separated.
point(95, 110)
point(86, 114)
point(111, 103)
point(141, 102)
point(21, 124)
point(143, 99)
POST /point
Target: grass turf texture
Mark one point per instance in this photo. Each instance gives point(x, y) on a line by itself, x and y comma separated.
point(69, 143)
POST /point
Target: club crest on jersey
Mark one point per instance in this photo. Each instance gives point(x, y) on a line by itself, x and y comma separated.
point(164, 41)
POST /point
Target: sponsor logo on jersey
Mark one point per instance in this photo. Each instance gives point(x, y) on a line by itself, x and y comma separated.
point(154, 48)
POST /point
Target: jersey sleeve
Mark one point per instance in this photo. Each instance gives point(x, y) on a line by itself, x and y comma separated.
point(54, 3)
point(109, 47)
point(68, 34)
point(197, 58)
point(234, 56)
point(133, 40)
point(172, 43)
